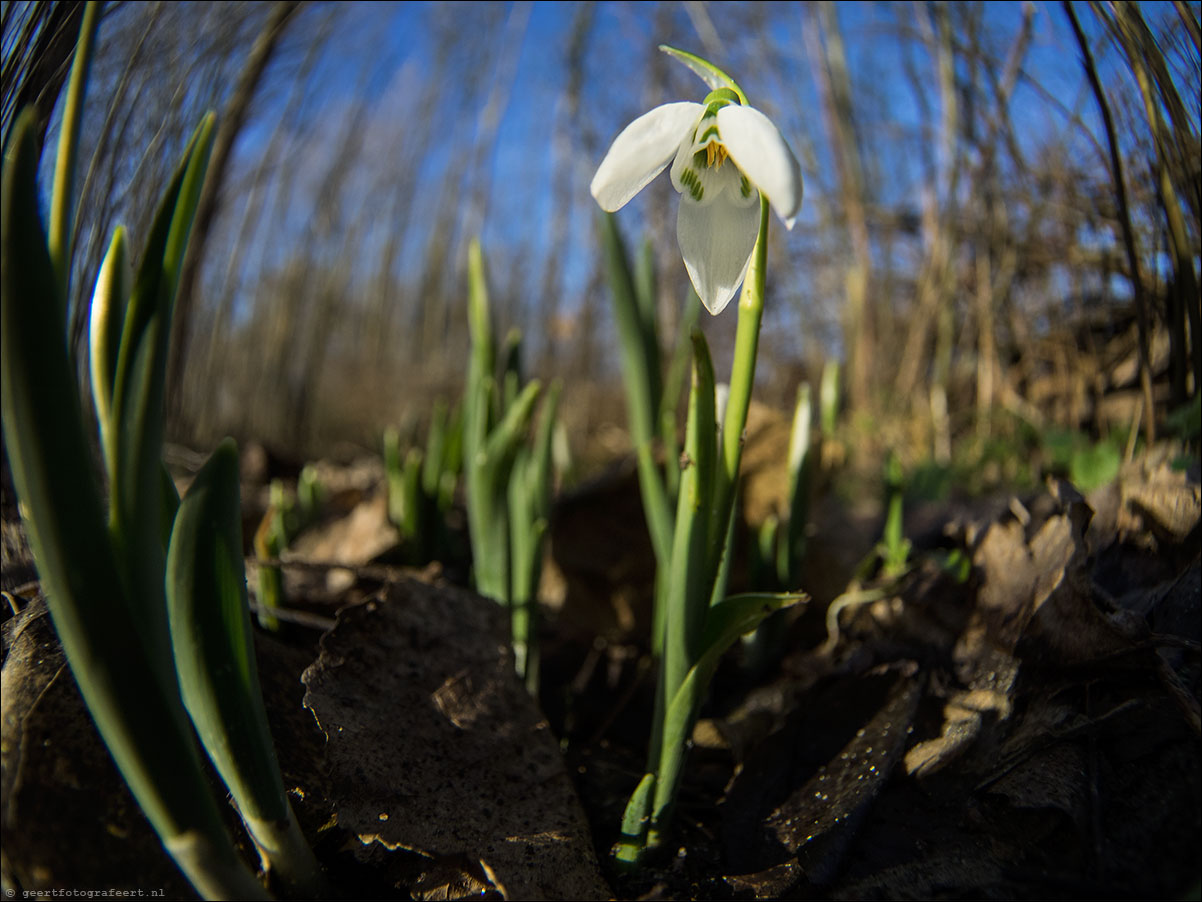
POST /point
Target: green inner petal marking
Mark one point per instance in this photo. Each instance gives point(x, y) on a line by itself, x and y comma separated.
point(692, 181)
point(744, 185)
point(705, 135)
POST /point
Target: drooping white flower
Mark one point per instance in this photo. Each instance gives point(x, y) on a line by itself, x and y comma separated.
point(723, 154)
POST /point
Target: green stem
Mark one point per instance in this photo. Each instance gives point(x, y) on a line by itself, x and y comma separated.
point(742, 378)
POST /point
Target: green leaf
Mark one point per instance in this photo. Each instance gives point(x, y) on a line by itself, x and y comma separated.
point(1095, 465)
point(705, 70)
point(738, 615)
point(640, 374)
point(436, 444)
point(138, 394)
point(502, 444)
point(727, 621)
point(629, 848)
point(482, 359)
point(394, 473)
point(211, 636)
point(62, 198)
point(511, 367)
point(413, 525)
point(107, 318)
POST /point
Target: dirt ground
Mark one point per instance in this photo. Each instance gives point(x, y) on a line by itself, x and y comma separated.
point(1025, 727)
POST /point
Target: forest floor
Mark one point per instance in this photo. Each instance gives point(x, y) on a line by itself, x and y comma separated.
point(1026, 726)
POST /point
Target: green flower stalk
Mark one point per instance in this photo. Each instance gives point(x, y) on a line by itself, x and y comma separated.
point(725, 156)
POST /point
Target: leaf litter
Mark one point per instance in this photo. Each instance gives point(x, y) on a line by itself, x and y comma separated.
point(1032, 732)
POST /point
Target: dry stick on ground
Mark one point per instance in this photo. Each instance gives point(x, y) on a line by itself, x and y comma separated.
point(1116, 172)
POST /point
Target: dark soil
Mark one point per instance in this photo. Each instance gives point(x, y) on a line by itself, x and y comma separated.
point(1027, 730)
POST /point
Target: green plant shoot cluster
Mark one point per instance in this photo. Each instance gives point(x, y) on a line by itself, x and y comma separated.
point(508, 476)
point(149, 601)
point(421, 486)
point(287, 516)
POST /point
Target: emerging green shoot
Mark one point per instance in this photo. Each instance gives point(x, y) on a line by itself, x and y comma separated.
point(211, 636)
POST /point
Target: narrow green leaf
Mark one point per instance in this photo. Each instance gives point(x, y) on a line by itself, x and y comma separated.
point(629, 848)
point(138, 394)
point(482, 359)
point(211, 636)
point(62, 198)
point(727, 621)
point(413, 525)
point(436, 443)
point(740, 614)
point(828, 398)
point(705, 70)
point(639, 360)
point(107, 318)
point(511, 367)
point(395, 476)
point(542, 449)
point(646, 298)
point(502, 444)
point(791, 551)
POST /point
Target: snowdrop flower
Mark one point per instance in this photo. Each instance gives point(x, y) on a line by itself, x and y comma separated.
point(723, 154)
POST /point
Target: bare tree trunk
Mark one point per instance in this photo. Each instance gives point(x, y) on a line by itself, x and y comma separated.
point(36, 67)
point(1128, 233)
point(566, 168)
point(1171, 142)
point(939, 215)
point(233, 118)
point(824, 42)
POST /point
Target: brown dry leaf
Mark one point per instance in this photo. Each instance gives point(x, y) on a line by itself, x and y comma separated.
point(1159, 498)
point(356, 538)
point(434, 746)
point(1036, 591)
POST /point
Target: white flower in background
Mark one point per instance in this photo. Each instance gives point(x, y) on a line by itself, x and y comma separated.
point(723, 154)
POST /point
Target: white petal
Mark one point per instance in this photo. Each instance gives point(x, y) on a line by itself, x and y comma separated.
point(641, 152)
point(716, 241)
point(764, 156)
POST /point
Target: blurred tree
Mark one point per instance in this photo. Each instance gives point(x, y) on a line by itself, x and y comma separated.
point(39, 40)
